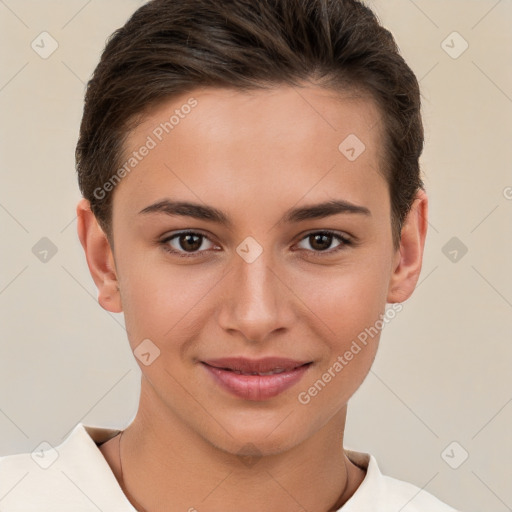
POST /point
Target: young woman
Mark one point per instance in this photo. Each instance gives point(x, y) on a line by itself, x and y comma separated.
point(252, 204)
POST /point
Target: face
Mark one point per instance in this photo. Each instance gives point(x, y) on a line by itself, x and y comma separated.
point(254, 268)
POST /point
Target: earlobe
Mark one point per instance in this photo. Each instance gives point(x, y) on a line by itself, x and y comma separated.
point(409, 257)
point(99, 256)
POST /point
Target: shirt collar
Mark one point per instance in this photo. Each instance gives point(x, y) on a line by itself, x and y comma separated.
point(82, 446)
point(88, 469)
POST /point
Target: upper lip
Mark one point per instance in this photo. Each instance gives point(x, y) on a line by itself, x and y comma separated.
point(263, 365)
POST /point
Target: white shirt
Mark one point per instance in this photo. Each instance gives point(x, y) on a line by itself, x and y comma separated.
point(75, 477)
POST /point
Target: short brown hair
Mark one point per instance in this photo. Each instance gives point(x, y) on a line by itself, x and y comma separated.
point(170, 47)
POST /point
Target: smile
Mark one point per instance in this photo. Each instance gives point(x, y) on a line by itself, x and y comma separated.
point(257, 385)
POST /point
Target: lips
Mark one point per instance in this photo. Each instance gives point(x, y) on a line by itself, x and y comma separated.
point(256, 379)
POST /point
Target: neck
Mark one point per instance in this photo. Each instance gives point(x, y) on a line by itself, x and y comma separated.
point(164, 461)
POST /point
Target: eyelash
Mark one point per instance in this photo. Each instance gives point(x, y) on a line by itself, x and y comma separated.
point(344, 242)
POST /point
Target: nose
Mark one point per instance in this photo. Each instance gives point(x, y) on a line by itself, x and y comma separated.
point(256, 301)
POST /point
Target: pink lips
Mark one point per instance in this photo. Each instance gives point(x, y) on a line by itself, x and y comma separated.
point(234, 375)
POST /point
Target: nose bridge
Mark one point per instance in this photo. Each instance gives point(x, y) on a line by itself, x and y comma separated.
point(255, 304)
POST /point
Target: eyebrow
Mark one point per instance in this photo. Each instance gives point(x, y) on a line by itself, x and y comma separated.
point(209, 213)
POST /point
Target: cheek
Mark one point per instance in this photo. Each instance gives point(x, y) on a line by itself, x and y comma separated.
point(346, 308)
point(349, 311)
point(160, 300)
point(345, 300)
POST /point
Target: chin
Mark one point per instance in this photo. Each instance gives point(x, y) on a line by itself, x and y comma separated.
point(262, 438)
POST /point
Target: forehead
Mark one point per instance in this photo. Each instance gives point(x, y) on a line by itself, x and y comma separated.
point(302, 112)
point(285, 142)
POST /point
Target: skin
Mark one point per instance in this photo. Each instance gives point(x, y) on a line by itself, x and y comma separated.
point(253, 156)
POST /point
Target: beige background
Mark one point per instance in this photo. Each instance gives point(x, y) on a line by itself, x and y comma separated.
point(443, 370)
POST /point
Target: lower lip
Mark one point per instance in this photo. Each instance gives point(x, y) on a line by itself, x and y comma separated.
point(256, 387)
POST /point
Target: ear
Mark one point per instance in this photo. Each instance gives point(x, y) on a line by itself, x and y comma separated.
point(409, 257)
point(100, 258)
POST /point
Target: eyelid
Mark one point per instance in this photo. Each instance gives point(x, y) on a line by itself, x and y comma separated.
point(333, 232)
point(163, 241)
point(172, 234)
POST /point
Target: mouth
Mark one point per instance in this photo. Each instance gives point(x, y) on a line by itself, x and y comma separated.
point(265, 366)
point(271, 372)
point(256, 379)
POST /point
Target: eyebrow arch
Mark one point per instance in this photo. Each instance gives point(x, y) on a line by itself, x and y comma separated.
point(209, 213)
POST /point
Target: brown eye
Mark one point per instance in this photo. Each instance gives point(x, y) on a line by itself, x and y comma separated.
point(185, 243)
point(321, 241)
point(190, 242)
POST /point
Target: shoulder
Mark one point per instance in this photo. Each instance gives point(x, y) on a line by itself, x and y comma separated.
point(410, 498)
point(382, 493)
point(28, 480)
point(70, 476)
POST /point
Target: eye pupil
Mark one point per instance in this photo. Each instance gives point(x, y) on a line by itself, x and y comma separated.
point(317, 238)
point(188, 237)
